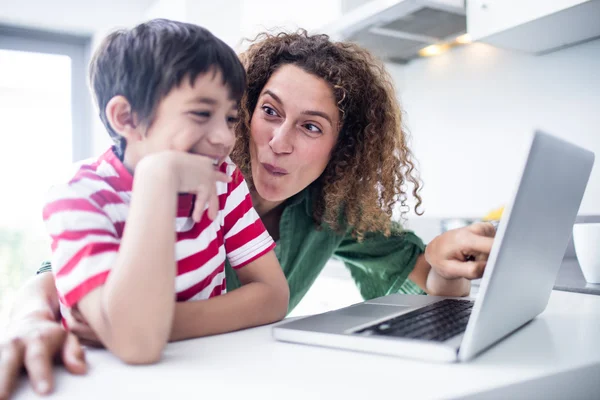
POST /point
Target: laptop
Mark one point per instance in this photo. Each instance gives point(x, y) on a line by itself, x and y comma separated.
point(523, 264)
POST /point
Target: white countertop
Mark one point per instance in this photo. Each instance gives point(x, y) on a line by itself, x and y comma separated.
point(250, 364)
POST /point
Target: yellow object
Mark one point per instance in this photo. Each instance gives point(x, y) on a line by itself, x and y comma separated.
point(463, 39)
point(442, 47)
point(433, 50)
point(494, 215)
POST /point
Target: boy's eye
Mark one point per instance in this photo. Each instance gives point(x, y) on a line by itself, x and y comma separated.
point(201, 114)
point(233, 120)
point(269, 111)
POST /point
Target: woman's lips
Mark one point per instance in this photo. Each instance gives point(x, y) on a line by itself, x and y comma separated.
point(273, 170)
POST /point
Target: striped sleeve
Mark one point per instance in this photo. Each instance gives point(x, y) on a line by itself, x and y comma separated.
point(85, 241)
point(246, 238)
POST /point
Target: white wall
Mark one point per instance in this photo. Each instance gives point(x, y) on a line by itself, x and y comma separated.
point(261, 15)
point(471, 113)
point(72, 16)
point(100, 139)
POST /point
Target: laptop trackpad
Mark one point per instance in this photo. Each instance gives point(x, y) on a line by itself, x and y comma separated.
point(340, 321)
point(371, 311)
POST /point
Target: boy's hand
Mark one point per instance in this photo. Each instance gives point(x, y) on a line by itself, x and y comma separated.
point(199, 175)
point(193, 174)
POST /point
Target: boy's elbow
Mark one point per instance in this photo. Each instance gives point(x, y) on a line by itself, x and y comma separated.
point(281, 300)
point(135, 341)
point(134, 345)
point(139, 352)
point(139, 358)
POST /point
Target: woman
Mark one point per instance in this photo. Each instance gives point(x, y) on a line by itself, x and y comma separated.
point(322, 148)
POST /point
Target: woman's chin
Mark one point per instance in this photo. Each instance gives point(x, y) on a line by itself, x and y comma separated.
point(269, 191)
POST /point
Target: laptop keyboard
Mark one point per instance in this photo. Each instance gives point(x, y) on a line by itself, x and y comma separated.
point(437, 322)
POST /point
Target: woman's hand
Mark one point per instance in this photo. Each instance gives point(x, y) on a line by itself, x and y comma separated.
point(34, 343)
point(461, 253)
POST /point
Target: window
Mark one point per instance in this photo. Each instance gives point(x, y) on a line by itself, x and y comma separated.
point(44, 116)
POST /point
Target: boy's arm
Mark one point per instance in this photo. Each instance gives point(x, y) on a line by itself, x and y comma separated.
point(262, 299)
point(264, 296)
point(132, 312)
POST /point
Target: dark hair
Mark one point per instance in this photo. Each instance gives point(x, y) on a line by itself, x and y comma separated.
point(143, 64)
point(371, 164)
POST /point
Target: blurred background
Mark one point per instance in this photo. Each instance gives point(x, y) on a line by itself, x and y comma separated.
point(474, 79)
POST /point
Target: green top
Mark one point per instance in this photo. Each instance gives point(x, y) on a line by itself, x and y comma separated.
point(379, 265)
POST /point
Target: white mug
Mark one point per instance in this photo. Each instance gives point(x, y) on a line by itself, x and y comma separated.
point(586, 238)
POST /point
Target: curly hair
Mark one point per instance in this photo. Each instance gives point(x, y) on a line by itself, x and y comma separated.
point(371, 163)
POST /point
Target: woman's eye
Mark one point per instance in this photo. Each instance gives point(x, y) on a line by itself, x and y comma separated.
point(269, 111)
point(312, 128)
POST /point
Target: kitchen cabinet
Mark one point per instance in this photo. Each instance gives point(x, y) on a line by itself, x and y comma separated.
point(535, 26)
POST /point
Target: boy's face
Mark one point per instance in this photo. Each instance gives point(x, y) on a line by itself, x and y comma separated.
point(196, 119)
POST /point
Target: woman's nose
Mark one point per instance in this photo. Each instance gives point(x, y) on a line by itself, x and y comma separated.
point(281, 142)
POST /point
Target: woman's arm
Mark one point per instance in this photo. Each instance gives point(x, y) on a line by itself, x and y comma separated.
point(400, 263)
point(262, 299)
point(33, 339)
point(434, 284)
point(37, 298)
point(457, 256)
point(383, 265)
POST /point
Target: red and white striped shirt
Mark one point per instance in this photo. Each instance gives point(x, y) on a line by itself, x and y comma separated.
point(86, 217)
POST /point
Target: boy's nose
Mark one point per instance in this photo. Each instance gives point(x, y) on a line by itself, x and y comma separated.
point(223, 136)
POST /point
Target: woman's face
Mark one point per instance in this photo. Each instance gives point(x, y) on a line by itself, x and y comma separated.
point(292, 132)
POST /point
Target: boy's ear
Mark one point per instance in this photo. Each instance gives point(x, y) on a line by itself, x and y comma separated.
point(122, 119)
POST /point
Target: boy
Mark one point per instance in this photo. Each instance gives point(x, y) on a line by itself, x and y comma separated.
point(167, 93)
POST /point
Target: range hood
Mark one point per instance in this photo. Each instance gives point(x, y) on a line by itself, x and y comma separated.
point(539, 28)
point(395, 30)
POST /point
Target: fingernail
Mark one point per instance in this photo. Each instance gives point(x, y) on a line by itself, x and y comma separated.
point(76, 359)
point(37, 335)
point(43, 387)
